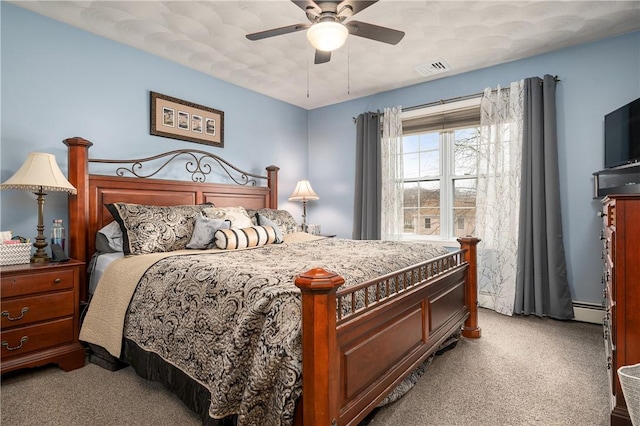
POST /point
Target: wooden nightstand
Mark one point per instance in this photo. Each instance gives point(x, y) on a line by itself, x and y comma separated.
point(40, 316)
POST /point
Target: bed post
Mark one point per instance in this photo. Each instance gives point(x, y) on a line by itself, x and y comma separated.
point(78, 175)
point(471, 329)
point(272, 183)
point(320, 358)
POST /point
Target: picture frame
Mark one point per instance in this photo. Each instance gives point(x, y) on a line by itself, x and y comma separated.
point(177, 119)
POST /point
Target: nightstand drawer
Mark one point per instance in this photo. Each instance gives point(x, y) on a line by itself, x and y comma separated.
point(22, 340)
point(27, 310)
point(36, 282)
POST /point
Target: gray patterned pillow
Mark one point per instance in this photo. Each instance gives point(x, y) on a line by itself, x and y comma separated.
point(265, 221)
point(204, 230)
point(154, 229)
point(282, 218)
point(109, 238)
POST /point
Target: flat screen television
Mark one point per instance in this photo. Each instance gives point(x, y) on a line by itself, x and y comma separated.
point(622, 135)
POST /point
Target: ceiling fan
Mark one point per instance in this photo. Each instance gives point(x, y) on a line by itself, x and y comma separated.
point(326, 30)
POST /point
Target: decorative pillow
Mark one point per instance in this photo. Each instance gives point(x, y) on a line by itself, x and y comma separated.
point(109, 238)
point(282, 218)
point(154, 229)
point(204, 230)
point(253, 236)
point(237, 215)
point(265, 221)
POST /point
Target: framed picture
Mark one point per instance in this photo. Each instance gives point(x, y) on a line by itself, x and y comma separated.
point(178, 119)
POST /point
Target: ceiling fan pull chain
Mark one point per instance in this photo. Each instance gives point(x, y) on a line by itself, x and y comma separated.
point(307, 73)
point(348, 67)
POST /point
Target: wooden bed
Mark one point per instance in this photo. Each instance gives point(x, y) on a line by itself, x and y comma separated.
point(351, 360)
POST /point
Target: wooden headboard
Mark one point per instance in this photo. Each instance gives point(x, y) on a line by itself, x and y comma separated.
point(132, 184)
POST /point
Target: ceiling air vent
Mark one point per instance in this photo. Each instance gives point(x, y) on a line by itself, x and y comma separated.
point(431, 68)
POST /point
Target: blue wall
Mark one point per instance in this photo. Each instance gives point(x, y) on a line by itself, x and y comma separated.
point(595, 78)
point(58, 82)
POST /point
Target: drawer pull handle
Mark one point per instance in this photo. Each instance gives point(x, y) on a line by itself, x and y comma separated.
point(22, 341)
point(57, 281)
point(10, 318)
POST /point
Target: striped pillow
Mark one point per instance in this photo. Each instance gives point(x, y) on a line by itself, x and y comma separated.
point(239, 238)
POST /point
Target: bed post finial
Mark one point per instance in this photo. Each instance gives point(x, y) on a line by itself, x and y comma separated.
point(78, 175)
point(320, 357)
point(469, 245)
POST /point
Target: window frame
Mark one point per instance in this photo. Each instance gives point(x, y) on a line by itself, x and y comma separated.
point(446, 178)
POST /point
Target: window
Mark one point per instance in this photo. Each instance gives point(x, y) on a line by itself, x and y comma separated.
point(439, 159)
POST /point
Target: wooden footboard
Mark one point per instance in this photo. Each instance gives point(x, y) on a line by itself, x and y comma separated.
point(360, 343)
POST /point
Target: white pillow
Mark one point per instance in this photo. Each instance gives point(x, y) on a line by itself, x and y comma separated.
point(239, 238)
point(237, 215)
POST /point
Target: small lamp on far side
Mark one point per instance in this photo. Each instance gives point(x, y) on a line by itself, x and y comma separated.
point(39, 174)
point(304, 193)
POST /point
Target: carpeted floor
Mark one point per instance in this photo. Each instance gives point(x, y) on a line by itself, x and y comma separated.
point(523, 371)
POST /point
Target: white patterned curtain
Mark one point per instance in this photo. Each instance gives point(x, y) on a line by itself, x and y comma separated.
point(498, 195)
point(392, 174)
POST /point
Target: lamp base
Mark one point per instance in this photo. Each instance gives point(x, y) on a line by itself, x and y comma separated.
point(45, 259)
point(40, 256)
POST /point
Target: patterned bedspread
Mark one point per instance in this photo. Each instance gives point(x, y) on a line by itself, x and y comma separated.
point(232, 321)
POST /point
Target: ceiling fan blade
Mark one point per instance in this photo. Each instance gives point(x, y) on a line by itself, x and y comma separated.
point(278, 31)
point(322, 57)
point(355, 5)
point(374, 32)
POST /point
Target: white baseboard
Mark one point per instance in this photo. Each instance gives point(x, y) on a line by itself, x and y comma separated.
point(587, 312)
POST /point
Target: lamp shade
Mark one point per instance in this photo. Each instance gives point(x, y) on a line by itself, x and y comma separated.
point(303, 192)
point(39, 172)
point(327, 36)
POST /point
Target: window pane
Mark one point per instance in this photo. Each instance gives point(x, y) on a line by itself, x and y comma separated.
point(464, 210)
point(464, 193)
point(411, 194)
point(466, 151)
point(422, 208)
point(430, 141)
point(411, 220)
point(429, 164)
point(411, 166)
point(430, 216)
point(411, 143)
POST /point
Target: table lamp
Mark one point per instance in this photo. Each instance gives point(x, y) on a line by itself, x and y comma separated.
point(39, 174)
point(303, 192)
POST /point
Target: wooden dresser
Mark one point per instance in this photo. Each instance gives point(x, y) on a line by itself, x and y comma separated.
point(621, 279)
point(40, 316)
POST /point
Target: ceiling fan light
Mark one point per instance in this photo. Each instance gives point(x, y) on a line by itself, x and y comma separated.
point(327, 36)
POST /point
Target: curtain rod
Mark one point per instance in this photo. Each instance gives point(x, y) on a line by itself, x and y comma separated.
point(443, 101)
point(458, 98)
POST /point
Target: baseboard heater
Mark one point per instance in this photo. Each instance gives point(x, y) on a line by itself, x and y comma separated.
point(583, 312)
point(588, 312)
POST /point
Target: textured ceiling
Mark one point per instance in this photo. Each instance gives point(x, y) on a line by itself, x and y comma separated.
point(209, 36)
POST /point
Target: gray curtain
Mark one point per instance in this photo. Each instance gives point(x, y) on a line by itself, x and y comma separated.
point(368, 188)
point(542, 287)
